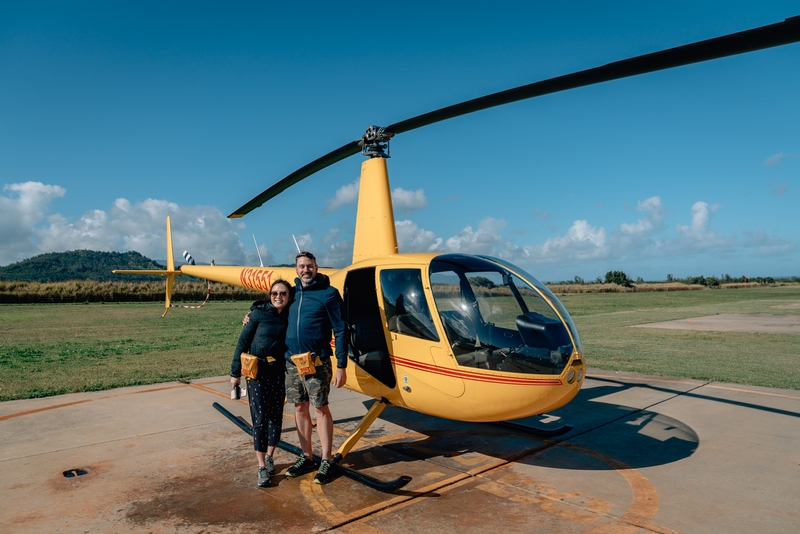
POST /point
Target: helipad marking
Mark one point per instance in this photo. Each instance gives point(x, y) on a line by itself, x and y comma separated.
point(64, 405)
point(635, 381)
point(318, 501)
point(767, 393)
point(643, 507)
point(645, 497)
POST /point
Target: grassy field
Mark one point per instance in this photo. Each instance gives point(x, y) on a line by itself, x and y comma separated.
point(49, 349)
point(771, 360)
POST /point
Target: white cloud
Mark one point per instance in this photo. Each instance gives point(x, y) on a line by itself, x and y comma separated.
point(767, 245)
point(19, 215)
point(202, 230)
point(774, 159)
point(304, 241)
point(347, 194)
point(632, 238)
point(698, 235)
point(331, 236)
point(650, 224)
point(412, 238)
point(581, 242)
point(251, 255)
point(27, 228)
point(403, 201)
point(584, 242)
point(26, 232)
point(406, 202)
point(336, 255)
point(485, 240)
point(780, 156)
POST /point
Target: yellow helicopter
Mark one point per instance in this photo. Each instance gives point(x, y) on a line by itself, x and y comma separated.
point(464, 337)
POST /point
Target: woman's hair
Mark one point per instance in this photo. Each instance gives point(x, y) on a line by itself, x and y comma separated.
point(284, 282)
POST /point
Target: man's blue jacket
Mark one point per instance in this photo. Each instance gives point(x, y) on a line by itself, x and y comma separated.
point(314, 313)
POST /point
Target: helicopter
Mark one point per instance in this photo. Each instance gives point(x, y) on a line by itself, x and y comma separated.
point(465, 337)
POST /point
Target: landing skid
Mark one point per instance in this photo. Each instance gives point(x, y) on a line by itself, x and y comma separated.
point(380, 485)
point(538, 431)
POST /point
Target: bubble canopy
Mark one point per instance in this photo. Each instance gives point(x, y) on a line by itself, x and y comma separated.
point(496, 316)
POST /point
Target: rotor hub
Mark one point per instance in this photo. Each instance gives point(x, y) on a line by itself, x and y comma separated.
point(375, 142)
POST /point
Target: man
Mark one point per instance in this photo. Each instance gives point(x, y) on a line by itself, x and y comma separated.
point(315, 312)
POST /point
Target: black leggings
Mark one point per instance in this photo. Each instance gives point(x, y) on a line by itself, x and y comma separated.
point(266, 394)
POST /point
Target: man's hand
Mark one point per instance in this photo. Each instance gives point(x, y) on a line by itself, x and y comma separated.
point(246, 319)
point(340, 378)
point(234, 381)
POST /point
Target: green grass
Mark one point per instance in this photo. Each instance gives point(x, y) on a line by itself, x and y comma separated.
point(49, 349)
point(771, 360)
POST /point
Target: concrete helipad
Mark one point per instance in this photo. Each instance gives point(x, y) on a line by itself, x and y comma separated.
point(646, 455)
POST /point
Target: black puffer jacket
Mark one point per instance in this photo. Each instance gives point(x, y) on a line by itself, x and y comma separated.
point(263, 335)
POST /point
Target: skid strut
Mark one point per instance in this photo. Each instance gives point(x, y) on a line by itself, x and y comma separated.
point(372, 414)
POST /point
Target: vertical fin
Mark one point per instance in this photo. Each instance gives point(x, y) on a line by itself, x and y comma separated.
point(170, 267)
point(170, 255)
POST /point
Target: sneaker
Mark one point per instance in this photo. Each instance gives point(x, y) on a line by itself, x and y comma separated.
point(263, 477)
point(302, 466)
point(270, 466)
point(325, 473)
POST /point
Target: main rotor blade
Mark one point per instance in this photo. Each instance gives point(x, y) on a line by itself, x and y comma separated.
point(330, 158)
point(729, 45)
point(778, 34)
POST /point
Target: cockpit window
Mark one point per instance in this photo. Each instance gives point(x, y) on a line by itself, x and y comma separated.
point(404, 303)
point(494, 319)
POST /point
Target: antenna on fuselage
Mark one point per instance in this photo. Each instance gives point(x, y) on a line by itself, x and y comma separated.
point(258, 251)
point(295, 244)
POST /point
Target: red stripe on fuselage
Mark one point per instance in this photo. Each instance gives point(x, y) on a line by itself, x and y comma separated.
point(477, 377)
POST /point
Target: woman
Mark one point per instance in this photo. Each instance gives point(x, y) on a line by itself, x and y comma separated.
point(264, 335)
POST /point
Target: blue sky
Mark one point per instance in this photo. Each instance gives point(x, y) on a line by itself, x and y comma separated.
point(114, 115)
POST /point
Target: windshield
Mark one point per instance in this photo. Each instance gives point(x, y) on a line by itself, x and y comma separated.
point(546, 291)
point(494, 319)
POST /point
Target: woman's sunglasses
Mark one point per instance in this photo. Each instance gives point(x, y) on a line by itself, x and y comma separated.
point(281, 293)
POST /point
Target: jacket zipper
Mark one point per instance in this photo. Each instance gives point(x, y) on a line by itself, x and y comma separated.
point(299, 309)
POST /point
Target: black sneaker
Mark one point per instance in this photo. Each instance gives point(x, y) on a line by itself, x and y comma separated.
point(325, 473)
point(302, 466)
point(270, 466)
point(263, 477)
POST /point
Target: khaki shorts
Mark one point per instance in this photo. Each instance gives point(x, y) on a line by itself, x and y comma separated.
point(310, 388)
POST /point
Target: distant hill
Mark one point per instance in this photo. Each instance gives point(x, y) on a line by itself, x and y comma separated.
point(79, 265)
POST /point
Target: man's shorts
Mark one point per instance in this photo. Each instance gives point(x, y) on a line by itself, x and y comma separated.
point(314, 388)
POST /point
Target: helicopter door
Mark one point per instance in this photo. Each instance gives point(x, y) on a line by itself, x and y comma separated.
point(414, 339)
point(365, 327)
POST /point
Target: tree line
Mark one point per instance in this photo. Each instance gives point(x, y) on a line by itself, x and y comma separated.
point(186, 292)
point(620, 278)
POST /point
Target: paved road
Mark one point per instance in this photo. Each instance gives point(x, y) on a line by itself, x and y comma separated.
point(647, 454)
